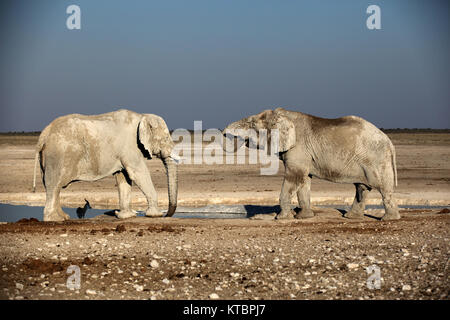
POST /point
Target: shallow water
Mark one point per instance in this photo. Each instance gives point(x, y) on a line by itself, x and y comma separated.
point(12, 213)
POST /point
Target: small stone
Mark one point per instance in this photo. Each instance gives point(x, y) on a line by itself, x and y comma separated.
point(352, 266)
point(306, 286)
point(406, 287)
point(19, 286)
point(154, 264)
point(214, 296)
point(134, 274)
point(166, 281)
point(139, 288)
point(92, 292)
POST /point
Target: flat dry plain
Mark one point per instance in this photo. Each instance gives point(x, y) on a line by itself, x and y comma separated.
point(324, 257)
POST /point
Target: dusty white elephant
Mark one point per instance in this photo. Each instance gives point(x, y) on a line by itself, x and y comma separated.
point(346, 150)
point(77, 147)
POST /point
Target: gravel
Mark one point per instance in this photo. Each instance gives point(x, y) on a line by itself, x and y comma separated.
point(326, 257)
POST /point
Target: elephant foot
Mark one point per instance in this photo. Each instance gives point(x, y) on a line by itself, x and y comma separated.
point(354, 215)
point(124, 214)
point(153, 213)
point(53, 216)
point(62, 214)
point(390, 216)
point(304, 214)
point(285, 214)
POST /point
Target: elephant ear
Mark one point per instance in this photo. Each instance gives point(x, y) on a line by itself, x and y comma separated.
point(146, 129)
point(286, 131)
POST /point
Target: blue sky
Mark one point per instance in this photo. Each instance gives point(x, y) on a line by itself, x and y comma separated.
point(219, 61)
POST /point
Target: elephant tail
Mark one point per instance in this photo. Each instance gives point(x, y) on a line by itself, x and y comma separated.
point(37, 154)
point(394, 165)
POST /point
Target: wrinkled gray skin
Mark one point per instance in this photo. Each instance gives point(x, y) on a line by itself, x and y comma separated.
point(344, 150)
point(77, 147)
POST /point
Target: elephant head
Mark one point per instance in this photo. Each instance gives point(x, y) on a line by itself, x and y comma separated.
point(154, 137)
point(246, 131)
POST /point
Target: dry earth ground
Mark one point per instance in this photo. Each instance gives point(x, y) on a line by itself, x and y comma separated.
point(320, 258)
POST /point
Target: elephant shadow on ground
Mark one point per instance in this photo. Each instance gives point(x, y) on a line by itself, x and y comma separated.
point(343, 212)
point(255, 211)
point(111, 213)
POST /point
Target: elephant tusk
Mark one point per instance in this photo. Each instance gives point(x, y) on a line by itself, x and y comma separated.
point(176, 158)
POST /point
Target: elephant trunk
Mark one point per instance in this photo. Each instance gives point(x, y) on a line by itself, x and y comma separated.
point(172, 184)
point(230, 136)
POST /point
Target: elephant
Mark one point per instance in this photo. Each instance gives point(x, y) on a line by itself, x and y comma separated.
point(79, 147)
point(343, 150)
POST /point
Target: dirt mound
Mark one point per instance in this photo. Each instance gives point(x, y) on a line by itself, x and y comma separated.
point(164, 228)
point(25, 220)
point(41, 266)
point(445, 210)
point(121, 228)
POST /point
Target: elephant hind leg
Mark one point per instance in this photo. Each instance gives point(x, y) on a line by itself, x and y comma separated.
point(53, 210)
point(124, 186)
point(359, 203)
point(53, 185)
point(390, 205)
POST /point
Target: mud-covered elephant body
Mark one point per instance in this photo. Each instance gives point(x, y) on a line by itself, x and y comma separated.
point(345, 150)
point(78, 147)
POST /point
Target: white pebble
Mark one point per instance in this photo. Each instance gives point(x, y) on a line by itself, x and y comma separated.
point(139, 288)
point(406, 287)
point(352, 265)
point(154, 264)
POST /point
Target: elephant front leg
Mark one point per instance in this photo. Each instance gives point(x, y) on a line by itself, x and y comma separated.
point(304, 199)
point(124, 188)
point(141, 176)
point(359, 203)
point(287, 191)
